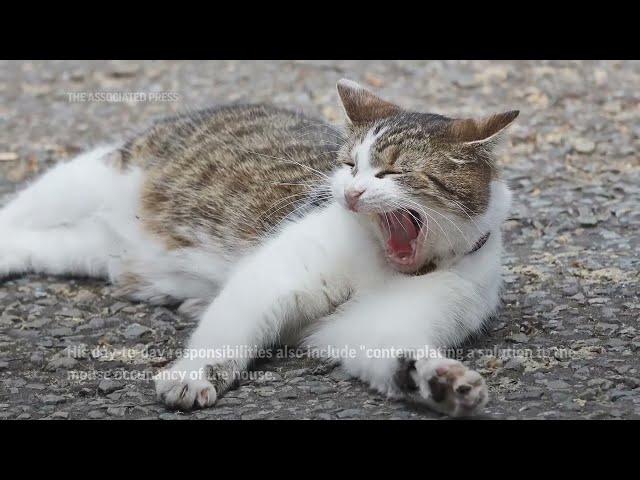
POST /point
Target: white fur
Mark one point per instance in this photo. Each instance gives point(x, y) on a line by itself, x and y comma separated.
point(321, 280)
point(64, 222)
point(377, 192)
point(83, 218)
point(361, 152)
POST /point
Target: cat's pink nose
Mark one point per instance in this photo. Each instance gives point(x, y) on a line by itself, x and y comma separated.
point(351, 196)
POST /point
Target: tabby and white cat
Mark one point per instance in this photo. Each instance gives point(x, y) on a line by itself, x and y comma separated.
point(377, 247)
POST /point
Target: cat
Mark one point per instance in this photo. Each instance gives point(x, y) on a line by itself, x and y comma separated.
point(378, 246)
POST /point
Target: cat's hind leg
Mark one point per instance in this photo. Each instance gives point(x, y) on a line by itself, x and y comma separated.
point(190, 277)
point(79, 249)
point(63, 222)
point(83, 217)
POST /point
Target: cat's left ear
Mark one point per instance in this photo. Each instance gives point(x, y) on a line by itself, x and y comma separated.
point(480, 131)
point(362, 105)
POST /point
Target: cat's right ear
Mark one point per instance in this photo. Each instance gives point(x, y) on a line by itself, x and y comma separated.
point(481, 131)
point(362, 105)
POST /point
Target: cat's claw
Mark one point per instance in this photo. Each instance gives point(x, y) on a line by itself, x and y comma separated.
point(185, 394)
point(449, 387)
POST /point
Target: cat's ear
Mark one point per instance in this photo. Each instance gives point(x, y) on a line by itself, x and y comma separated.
point(362, 105)
point(479, 131)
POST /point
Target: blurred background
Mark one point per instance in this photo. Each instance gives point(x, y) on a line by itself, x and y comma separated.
point(567, 107)
point(571, 267)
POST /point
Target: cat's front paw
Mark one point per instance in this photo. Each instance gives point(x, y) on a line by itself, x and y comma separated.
point(184, 389)
point(449, 387)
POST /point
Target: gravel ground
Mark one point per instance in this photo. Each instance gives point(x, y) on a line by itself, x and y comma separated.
point(565, 344)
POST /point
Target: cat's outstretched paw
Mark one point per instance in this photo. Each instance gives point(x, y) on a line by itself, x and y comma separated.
point(179, 390)
point(449, 387)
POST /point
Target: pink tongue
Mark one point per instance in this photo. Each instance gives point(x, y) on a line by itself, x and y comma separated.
point(402, 232)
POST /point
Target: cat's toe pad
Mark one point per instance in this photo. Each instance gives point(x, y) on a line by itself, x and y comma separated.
point(450, 387)
point(185, 394)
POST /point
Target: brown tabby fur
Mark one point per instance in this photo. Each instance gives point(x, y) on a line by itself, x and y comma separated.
point(232, 174)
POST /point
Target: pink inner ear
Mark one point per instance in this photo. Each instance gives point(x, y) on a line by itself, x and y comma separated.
point(471, 130)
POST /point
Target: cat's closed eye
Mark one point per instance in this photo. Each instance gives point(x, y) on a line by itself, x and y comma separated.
point(349, 164)
point(384, 173)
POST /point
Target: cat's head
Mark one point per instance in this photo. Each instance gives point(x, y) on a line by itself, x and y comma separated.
point(428, 182)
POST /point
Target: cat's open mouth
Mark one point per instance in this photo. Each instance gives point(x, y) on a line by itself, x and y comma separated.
point(404, 232)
